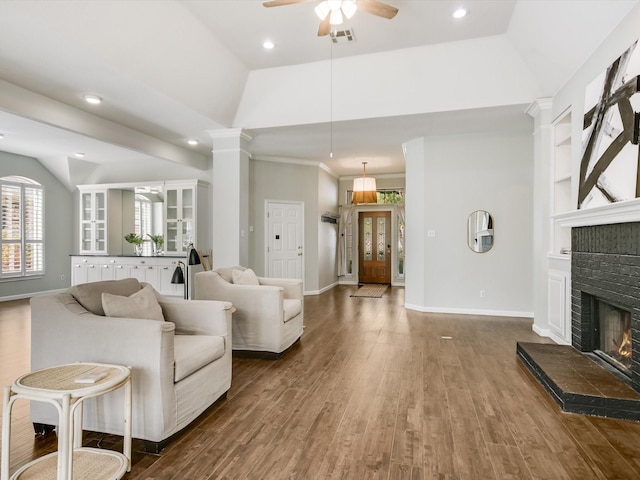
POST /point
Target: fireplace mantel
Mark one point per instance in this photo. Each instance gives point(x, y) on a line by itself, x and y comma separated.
point(619, 212)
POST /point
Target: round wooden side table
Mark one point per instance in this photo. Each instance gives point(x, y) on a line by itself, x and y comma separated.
point(66, 387)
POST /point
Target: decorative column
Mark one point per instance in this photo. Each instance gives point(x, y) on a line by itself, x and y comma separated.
point(416, 241)
point(230, 192)
point(540, 110)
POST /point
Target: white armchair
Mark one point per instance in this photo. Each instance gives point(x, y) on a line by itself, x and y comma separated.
point(180, 366)
point(269, 316)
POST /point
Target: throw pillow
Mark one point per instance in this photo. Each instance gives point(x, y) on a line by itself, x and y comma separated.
point(227, 272)
point(142, 304)
point(89, 295)
point(246, 277)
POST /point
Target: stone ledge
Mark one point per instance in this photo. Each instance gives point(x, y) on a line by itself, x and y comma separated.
point(577, 383)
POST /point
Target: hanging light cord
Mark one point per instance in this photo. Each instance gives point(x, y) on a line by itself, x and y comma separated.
point(331, 100)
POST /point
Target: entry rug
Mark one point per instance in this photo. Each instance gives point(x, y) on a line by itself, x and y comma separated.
point(371, 291)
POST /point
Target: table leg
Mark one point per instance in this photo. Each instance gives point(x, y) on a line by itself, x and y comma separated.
point(127, 421)
point(77, 424)
point(65, 446)
point(6, 433)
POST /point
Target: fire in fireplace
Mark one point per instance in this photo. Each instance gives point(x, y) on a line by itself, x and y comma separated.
point(613, 335)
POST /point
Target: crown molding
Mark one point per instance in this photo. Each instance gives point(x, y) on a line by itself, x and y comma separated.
point(381, 175)
point(222, 133)
point(539, 105)
point(295, 161)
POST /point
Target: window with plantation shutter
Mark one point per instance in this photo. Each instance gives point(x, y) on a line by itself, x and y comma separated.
point(22, 239)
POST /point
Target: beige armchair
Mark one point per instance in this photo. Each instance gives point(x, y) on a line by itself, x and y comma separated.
point(180, 366)
point(269, 316)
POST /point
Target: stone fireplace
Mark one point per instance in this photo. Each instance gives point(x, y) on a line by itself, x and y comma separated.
point(605, 278)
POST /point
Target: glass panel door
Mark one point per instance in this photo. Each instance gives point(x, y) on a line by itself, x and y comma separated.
point(172, 222)
point(101, 211)
point(382, 239)
point(86, 207)
point(86, 237)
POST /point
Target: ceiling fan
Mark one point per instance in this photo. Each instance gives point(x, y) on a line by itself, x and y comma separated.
point(332, 12)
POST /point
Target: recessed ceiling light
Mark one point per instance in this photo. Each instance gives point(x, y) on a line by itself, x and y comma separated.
point(268, 44)
point(460, 12)
point(1, 136)
point(92, 99)
point(78, 155)
point(192, 142)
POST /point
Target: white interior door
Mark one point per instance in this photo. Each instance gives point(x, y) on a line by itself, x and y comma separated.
point(285, 240)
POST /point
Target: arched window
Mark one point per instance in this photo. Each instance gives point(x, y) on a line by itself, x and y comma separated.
point(22, 219)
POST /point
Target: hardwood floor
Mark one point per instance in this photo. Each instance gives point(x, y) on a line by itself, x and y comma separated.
point(371, 391)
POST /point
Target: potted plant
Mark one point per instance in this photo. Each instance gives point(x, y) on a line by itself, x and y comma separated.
point(136, 240)
point(158, 242)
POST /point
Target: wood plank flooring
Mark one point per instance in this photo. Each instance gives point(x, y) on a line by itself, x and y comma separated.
point(372, 391)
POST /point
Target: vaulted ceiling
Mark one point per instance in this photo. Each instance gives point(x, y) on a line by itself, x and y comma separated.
point(170, 70)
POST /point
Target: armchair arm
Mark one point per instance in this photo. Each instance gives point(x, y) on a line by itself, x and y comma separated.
point(197, 317)
point(292, 286)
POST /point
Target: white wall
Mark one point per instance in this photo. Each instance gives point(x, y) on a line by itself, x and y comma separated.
point(461, 174)
point(484, 72)
point(58, 229)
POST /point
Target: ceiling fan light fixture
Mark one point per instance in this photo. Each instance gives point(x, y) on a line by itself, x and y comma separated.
point(322, 10)
point(349, 8)
point(336, 17)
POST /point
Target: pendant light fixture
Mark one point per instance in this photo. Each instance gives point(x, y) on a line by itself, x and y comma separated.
point(364, 188)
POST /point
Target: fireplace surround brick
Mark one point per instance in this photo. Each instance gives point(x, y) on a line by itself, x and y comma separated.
point(605, 263)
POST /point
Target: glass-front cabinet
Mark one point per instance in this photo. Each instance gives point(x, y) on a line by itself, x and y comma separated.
point(181, 205)
point(99, 232)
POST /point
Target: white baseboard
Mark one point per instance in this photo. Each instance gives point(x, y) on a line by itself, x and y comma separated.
point(545, 332)
point(348, 282)
point(29, 295)
point(322, 290)
point(469, 311)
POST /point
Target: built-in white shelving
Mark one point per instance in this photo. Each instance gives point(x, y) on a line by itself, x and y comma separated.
point(562, 169)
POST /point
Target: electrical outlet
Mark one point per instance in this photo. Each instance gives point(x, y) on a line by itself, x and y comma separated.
point(483, 294)
point(61, 277)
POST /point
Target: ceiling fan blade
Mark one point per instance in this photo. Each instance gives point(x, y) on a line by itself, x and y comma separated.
point(278, 3)
point(325, 27)
point(375, 7)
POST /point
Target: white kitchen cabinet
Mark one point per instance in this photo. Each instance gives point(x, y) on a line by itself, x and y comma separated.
point(87, 269)
point(157, 271)
point(559, 313)
point(184, 203)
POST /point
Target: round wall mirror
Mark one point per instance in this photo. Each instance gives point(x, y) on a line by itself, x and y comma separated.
point(480, 231)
